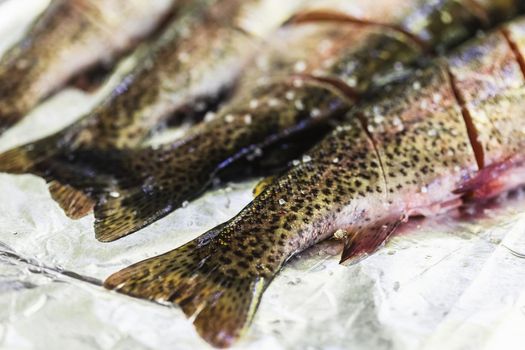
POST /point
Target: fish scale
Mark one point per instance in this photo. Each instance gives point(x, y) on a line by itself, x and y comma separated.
point(391, 159)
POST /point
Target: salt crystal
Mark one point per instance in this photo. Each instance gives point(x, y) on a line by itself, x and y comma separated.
point(300, 67)
point(273, 102)
point(184, 57)
point(352, 82)
point(315, 113)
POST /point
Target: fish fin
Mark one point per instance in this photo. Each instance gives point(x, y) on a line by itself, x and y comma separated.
point(75, 203)
point(361, 244)
point(261, 185)
point(117, 217)
point(221, 304)
point(148, 190)
point(23, 159)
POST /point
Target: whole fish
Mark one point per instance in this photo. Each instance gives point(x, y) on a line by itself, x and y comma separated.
point(67, 39)
point(452, 130)
point(312, 72)
point(200, 54)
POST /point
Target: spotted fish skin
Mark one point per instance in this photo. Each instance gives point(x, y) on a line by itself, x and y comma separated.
point(162, 179)
point(393, 158)
point(179, 70)
point(68, 38)
point(324, 50)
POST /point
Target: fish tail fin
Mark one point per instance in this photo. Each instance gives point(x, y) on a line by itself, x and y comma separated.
point(362, 244)
point(23, 159)
point(220, 303)
point(160, 182)
point(75, 203)
point(127, 211)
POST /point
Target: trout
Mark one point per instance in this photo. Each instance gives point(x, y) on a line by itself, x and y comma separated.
point(313, 72)
point(451, 131)
point(200, 54)
point(68, 38)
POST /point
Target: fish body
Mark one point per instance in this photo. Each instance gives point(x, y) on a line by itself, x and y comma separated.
point(200, 55)
point(450, 131)
point(179, 70)
point(69, 37)
point(323, 60)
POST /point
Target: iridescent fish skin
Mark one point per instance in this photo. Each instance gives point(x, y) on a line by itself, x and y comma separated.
point(69, 37)
point(394, 157)
point(349, 55)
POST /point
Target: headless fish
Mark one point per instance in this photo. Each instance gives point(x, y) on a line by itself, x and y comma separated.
point(69, 37)
point(418, 149)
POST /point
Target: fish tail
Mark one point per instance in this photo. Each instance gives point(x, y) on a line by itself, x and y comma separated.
point(116, 217)
point(23, 159)
point(151, 188)
point(220, 304)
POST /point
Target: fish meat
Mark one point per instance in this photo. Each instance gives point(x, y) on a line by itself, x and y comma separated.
point(324, 62)
point(452, 131)
point(178, 71)
point(69, 37)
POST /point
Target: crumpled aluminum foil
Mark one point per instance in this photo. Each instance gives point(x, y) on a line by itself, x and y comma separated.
point(454, 282)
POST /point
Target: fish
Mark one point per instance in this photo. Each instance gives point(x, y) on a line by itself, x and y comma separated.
point(324, 61)
point(68, 38)
point(177, 72)
point(422, 147)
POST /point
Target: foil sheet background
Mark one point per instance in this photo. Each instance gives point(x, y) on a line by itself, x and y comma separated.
point(455, 282)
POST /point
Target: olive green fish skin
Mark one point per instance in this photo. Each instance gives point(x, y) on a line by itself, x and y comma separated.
point(392, 159)
point(69, 37)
